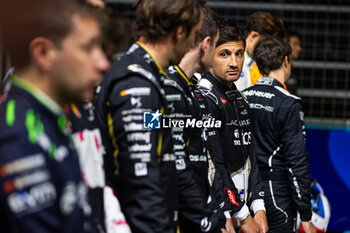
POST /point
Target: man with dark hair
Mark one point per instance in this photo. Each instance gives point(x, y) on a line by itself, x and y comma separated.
point(139, 159)
point(233, 153)
point(279, 135)
point(191, 157)
point(58, 59)
point(258, 24)
point(295, 44)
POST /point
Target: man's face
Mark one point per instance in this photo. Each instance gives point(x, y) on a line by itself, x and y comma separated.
point(228, 62)
point(251, 41)
point(289, 69)
point(79, 62)
point(294, 42)
point(184, 45)
point(208, 57)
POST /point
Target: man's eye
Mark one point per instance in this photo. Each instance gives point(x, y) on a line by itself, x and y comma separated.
point(88, 48)
point(223, 54)
point(239, 54)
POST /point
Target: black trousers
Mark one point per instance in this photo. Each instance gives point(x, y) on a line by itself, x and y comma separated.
point(281, 212)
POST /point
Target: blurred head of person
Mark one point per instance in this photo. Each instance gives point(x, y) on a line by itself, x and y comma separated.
point(201, 55)
point(261, 24)
point(229, 53)
point(171, 23)
point(295, 43)
point(272, 57)
point(97, 3)
point(206, 39)
point(115, 41)
point(55, 45)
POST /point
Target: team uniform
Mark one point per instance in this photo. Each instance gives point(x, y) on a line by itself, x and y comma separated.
point(235, 159)
point(41, 188)
point(195, 215)
point(139, 162)
point(88, 142)
point(281, 153)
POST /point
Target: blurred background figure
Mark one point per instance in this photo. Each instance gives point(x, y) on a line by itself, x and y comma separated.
point(295, 44)
point(258, 25)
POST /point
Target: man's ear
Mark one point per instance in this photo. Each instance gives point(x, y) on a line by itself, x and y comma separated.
point(254, 35)
point(180, 33)
point(205, 44)
point(286, 62)
point(43, 52)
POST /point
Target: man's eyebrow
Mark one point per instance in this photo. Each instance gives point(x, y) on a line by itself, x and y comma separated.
point(225, 50)
point(94, 40)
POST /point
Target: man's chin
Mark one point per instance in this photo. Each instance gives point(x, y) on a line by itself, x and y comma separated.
point(232, 78)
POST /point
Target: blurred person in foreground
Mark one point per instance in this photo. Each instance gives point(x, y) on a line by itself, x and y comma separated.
point(195, 215)
point(279, 135)
point(55, 47)
point(139, 160)
point(232, 146)
point(258, 25)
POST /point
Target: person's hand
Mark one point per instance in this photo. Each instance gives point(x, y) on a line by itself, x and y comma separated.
point(234, 222)
point(229, 227)
point(248, 225)
point(260, 219)
point(308, 227)
point(223, 230)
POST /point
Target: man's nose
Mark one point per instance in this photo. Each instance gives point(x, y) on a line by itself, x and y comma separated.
point(101, 62)
point(233, 61)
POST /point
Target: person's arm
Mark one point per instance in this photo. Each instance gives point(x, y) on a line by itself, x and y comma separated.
point(137, 179)
point(256, 189)
point(296, 156)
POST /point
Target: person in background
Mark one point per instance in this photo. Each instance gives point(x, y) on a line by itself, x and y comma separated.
point(232, 146)
point(195, 215)
point(258, 25)
point(279, 135)
point(58, 60)
point(139, 158)
point(295, 44)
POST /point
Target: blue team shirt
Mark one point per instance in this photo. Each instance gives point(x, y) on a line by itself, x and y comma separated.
point(41, 189)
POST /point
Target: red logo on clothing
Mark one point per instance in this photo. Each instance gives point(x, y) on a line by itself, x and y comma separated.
point(232, 197)
point(223, 100)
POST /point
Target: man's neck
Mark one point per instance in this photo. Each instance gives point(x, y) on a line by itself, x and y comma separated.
point(41, 82)
point(159, 50)
point(228, 84)
point(279, 75)
point(190, 62)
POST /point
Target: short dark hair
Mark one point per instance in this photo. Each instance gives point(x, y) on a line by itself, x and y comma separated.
point(230, 31)
point(156, 19)
point(210, 26)
point(266, 24)
point(269, 54)
point(293, 33)
point(23, 20)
